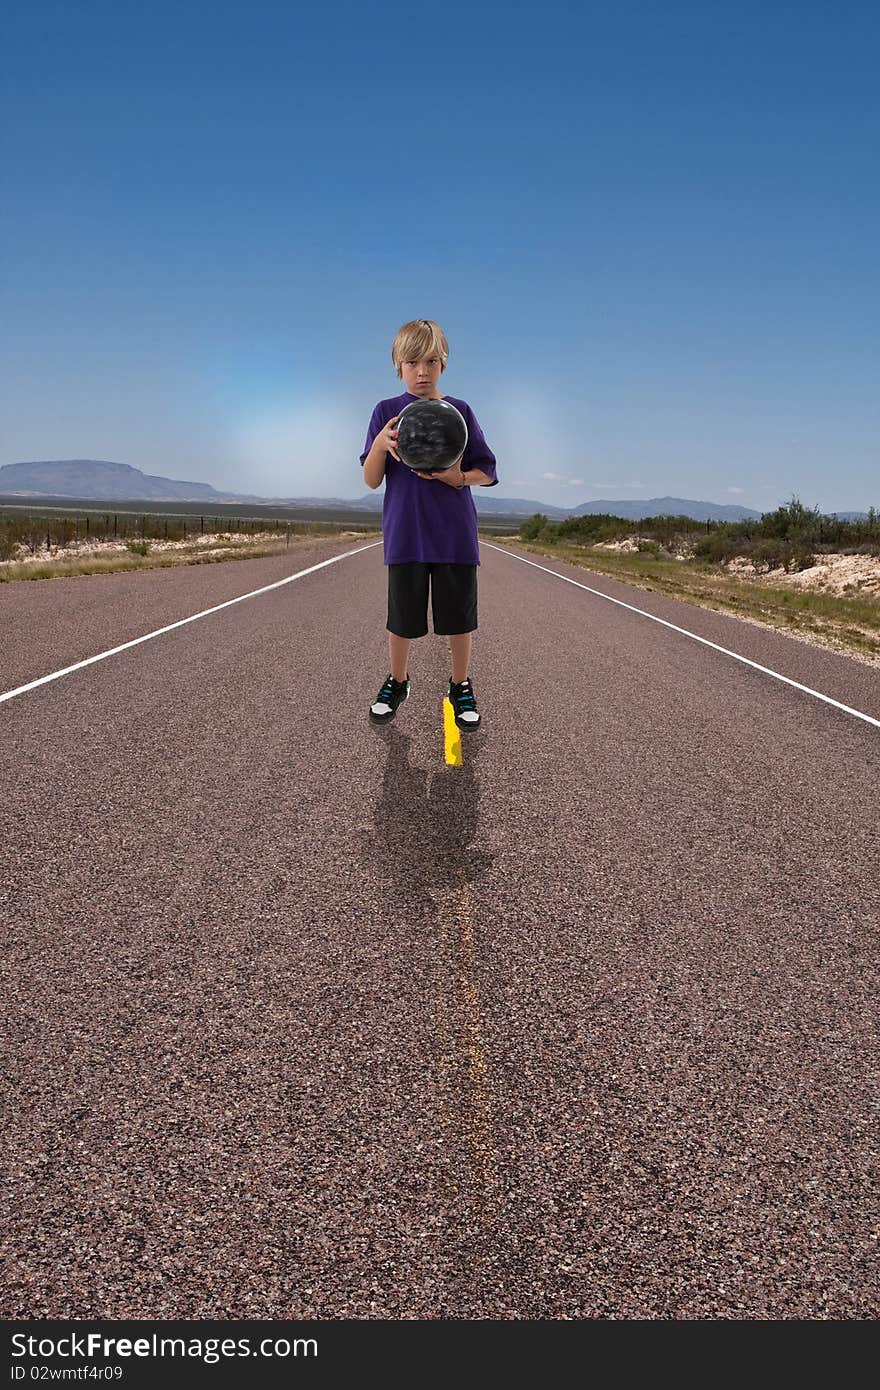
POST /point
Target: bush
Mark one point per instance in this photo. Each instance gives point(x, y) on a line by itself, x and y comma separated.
point(716, 548)
point(538, 528)
point(138, 547)
point(770, 554)
point(802, 559)
point(794, 521)
point(532, 527)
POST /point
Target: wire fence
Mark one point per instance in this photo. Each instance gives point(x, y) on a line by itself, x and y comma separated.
point(64, 531)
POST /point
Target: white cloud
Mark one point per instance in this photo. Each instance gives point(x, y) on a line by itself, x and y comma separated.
point(738, 490)
point(617, 483)
point(561, 478)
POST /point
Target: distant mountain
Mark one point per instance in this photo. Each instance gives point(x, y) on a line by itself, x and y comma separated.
point(99, 480)
point(491, 505)
point(106, 482)
point(667, 506)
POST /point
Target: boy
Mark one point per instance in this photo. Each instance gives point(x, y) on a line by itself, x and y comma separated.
point(429, 527)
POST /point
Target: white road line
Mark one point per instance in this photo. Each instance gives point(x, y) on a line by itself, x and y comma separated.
point(817, 694)
point(10, 694)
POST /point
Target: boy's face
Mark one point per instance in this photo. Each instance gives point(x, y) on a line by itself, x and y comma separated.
point(421, 376)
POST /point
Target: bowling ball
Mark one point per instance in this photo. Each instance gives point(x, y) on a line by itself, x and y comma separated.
point(431, 435)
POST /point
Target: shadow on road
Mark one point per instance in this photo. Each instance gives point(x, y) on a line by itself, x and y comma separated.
point(425, 849)
point(427, 823)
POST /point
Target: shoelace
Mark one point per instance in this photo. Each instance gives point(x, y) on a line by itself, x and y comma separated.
point(464, 695)
point(387, 691)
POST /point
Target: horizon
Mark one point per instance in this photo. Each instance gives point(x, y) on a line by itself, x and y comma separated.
point(492, 497)
point(658, 274)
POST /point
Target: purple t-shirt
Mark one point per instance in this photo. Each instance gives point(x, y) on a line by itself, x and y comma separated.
point(422, 518)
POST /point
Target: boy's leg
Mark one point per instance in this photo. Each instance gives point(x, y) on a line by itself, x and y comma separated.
point(407, 612)
point(398, 650)
point(454, 593)
point(460, 649)
point(454, 599)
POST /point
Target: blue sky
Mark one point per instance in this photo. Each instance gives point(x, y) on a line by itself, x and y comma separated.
point(650, 233)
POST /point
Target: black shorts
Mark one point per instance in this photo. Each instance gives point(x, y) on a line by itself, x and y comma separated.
point(453, 599)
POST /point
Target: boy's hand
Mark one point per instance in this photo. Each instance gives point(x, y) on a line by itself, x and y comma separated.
point(452, 476)
point(388, 437)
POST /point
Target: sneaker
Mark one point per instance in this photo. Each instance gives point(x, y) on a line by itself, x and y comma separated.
point(464, 704)
point(392, 694)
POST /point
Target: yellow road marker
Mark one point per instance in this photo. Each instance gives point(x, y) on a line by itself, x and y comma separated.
point(452, 735)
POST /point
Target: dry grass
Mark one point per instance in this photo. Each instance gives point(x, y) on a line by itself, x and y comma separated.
point(110, 557)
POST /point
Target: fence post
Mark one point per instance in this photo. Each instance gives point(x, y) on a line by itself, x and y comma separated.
point(203, 525)
point(115, 519)
point(288, 535)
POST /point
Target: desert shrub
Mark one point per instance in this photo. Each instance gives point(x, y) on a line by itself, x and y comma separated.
point(592, 527)
point(532, 526)
point(538, 528)
point(716, 548)
point(8, 543)
point(802, 558)
point(770, 554)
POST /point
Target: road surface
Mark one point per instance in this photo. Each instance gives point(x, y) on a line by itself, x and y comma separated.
point(303, 1021)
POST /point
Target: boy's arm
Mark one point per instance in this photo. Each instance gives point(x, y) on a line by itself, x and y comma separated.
point(481, 464)
point(374, 464)
point(377, 446)
point(458, 477)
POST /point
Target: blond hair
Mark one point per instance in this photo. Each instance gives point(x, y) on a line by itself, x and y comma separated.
point(419, 338)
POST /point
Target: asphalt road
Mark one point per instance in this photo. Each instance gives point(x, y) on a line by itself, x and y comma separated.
point(302, 1021)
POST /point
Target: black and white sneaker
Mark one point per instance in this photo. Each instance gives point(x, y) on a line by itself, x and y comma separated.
point(464, 705)
point(392, 694)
